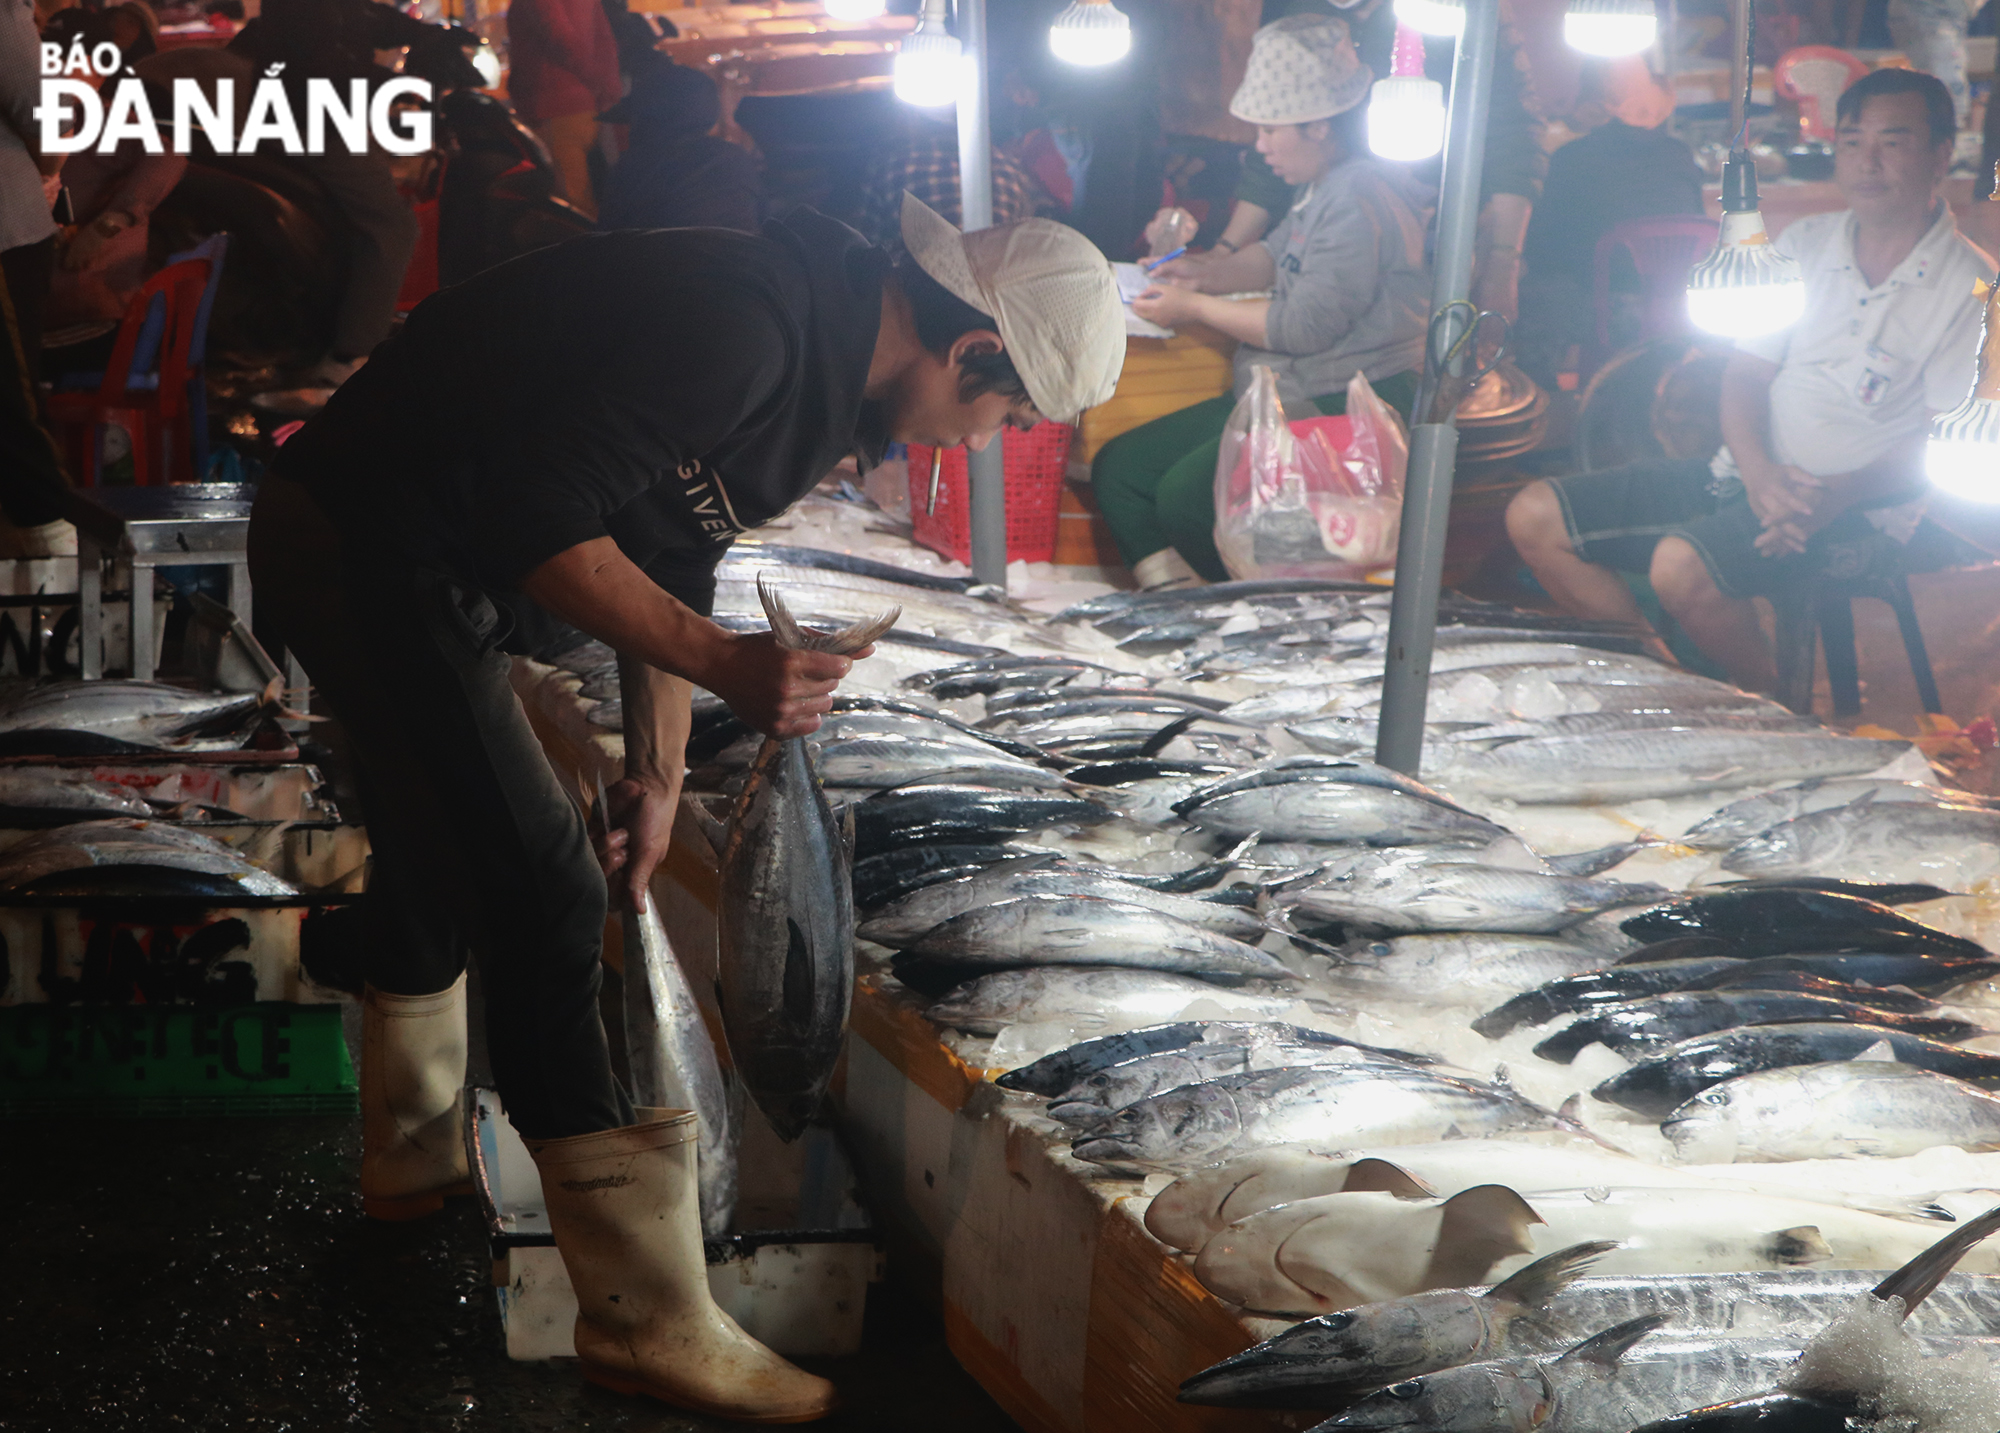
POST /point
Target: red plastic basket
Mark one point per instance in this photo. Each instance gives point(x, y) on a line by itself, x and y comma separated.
point(1036, 463)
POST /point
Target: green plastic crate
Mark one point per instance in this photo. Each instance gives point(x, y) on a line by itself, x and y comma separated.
point(155, 1061)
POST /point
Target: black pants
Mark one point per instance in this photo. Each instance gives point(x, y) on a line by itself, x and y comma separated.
point(31, 472)
point(476, 846)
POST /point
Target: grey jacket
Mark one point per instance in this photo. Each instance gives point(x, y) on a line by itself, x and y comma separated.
point(1351, 289)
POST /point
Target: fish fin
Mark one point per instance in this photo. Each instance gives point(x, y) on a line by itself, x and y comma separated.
point(1914, 1281)
point(1881, 1050)
point(1801, 1244)
point(1533, 1286)
point(1606, 1348)
point(1570, 1117)
point(1383, 1177)
point(1158, 741)
point(798, 976)
point(713, 831)
point(1480, 1227)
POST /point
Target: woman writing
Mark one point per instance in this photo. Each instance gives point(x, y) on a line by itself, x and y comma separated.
point(1348, 294)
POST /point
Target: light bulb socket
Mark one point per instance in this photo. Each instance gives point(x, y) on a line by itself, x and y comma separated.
point(1739, 183)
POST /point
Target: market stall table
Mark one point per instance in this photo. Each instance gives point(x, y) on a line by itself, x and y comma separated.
point(138, 529)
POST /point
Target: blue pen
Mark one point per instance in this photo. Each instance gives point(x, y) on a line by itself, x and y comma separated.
point(1165, 259)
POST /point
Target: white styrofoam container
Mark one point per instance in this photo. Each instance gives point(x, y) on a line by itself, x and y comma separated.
point(800, 1292)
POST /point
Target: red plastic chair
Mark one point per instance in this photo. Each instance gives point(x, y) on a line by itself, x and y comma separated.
point(1813, 77)
point(1662, 250)
point(151, 405)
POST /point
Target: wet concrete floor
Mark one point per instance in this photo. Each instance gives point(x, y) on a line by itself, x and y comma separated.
point(219, 1275)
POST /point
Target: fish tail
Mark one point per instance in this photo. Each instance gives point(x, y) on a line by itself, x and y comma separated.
point(790, 633)
point(1914, 1281)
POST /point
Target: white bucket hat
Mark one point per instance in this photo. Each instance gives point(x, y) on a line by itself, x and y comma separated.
point(1302, 68)
point(1050, 292)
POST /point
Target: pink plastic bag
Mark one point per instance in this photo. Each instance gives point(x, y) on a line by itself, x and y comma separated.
point(1322, 497)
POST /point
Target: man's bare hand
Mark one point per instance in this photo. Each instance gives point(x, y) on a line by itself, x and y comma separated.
point(1166, 304)
point(779, 691)
point(1780, 493)
point(633, 832)
point(1185, 271)
point(1782, 539)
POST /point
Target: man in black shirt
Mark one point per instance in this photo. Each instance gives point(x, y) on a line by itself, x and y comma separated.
point(591, 425)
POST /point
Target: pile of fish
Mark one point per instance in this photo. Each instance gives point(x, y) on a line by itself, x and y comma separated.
point(1560, 1346)
point(1561, 1015)
point(109, 717)
point(132, 857)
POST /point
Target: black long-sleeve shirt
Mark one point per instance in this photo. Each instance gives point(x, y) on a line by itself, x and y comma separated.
point(667, 388)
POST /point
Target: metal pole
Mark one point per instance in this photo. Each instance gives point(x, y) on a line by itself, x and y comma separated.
point(986, 470)
point(1399, 736)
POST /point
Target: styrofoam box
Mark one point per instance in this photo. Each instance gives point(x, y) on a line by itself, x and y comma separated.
point(800, 1292)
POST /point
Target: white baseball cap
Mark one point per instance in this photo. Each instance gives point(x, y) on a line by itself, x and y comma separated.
point(1302, 68)
point(1050, 292)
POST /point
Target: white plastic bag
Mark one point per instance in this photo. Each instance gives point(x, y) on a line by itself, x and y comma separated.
point(1321, 497)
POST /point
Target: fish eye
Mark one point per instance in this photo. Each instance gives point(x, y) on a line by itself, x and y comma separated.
point(1335, 1321)
point(1413, 1388)
point(1380, 947)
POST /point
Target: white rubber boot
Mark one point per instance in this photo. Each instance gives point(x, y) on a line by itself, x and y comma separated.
point(1164, 571)
point(626, 1214)
point(412, 1102)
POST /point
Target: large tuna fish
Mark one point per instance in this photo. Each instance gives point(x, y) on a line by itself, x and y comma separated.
point(785, 923)
point(673, 1059)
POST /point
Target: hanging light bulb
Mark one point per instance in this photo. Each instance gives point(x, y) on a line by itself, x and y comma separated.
point(1745, 287)
point(1091, 32)
point(1433, 17)
point(1963, 458)
point(1405, 110)
point(855, 9)
point(930, 64)
point(1610, 28)
point(1406, 118)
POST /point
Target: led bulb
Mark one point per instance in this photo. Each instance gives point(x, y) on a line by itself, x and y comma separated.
point(1091, 32)
point(1963, 458)
point(1610, 28)
point(1746, 287)
point(1406, 117)
point(855, 9)
point(930, 64)
point(1433, 17)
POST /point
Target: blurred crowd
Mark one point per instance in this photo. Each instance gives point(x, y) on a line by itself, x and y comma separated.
point(625, 137)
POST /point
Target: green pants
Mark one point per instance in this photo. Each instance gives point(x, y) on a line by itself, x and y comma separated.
point(1156, 484)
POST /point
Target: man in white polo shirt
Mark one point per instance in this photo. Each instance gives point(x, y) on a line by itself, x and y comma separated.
point(1823, 424)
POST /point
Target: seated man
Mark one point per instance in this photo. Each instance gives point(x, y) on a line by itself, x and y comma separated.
point(1823, 424)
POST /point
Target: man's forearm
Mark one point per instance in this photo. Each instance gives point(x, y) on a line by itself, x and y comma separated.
point(1247, 223)
point(1746, 413)
point(656, 721)
point(1238, 273)
point(597, 589)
